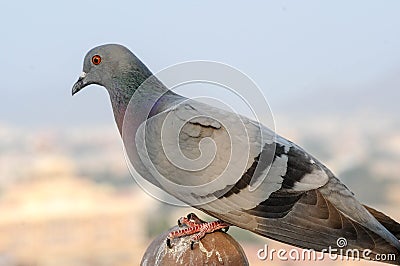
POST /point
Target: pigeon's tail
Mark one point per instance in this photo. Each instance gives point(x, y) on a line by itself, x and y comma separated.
point(378, 231)
point(391, 225)
point(394, 228)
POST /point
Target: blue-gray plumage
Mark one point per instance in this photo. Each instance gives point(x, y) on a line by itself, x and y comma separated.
point(299, 202)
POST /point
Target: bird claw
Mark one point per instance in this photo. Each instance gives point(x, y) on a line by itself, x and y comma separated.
point(193, 225)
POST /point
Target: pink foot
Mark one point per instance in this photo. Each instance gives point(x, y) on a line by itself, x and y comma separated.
point(196, 227)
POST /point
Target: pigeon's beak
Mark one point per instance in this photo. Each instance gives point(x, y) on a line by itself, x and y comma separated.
point(80, 84)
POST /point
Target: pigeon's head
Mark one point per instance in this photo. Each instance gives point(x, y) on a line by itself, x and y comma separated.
point(112, 66)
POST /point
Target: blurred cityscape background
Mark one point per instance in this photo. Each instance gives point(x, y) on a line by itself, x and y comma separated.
point(330, 71)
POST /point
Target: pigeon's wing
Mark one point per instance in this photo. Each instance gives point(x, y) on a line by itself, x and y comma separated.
point(209, 150)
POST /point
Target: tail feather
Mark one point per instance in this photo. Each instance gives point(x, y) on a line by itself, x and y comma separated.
point(386, 221)
point(339, 195)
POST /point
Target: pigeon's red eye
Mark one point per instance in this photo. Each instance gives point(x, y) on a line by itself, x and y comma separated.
point(96, 59)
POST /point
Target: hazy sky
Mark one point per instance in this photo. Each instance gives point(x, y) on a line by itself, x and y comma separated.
point(294, 50)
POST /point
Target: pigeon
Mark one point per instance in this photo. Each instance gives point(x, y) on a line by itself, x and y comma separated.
point(273, 187)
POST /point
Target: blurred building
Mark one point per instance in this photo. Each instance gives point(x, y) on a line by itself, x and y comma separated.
point(70, 221)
